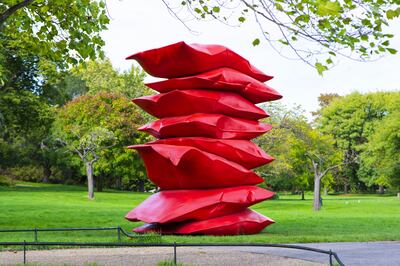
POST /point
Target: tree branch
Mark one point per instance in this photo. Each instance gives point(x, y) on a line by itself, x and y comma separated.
point(6, 14)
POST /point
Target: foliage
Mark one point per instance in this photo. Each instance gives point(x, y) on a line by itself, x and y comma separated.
point(109, 113)
point(26, 120)
point(293, 142)
point(381, 156)
point(64, 32)
point(352, 121)
point(313, 31)
point(6, 181)
point(100, 76)
point(350, 218)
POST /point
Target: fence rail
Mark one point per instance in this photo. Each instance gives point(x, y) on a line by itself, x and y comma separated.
point(120, 231)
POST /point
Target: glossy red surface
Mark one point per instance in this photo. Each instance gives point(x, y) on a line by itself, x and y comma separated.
point(242, 222)
point(184, 167)
point(181, 205)
point(199, 101)
point(243, 152)
point(206, 125)
point(203, 157)
point(181, 59)
point(221, 79)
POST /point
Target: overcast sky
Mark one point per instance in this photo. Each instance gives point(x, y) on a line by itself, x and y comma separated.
point(145, 24)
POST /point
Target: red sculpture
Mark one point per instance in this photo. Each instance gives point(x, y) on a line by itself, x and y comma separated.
point(222, 79)
point(203, 155)
point(181, 59)
point(243, 152)
point(185, 167)
point(199, 101)
point(181, 205)
point(243, 222)
point(206, 125)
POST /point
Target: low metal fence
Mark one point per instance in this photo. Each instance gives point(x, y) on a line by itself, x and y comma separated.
point(332, 255)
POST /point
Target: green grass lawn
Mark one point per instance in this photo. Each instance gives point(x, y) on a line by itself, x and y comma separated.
point(342, 218)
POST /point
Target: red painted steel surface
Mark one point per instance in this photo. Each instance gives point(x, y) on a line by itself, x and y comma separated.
point(242, 222)
point(203, 155)
point(181, 205)
point(181, 59)
point(221, 79)
point(184, 167)
point(187, 102)
point(206, 125)
point(243, 152)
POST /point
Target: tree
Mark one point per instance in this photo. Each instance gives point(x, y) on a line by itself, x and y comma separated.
point(324, 100)
point(98, 128)
point(88, 147)
point(294, 143)
point(381, 156)
point(313, 31)
point(63, 32)
point(100, 76)
point(323, 157)
point(26, 120)
point(288, 171)
point(352, 120)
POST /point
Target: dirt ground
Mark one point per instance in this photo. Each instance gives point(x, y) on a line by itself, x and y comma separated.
point(147, 256)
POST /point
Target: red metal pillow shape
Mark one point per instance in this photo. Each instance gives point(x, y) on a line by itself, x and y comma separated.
point(206, 125)
point(199, 101)
point(181, 59)
point(222, 79)
point(243, 152)
point(181, 205)
point(243, 222)
point(184, 167)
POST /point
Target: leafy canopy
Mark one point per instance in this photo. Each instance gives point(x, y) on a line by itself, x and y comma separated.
point(63, 31)
point(315, 31)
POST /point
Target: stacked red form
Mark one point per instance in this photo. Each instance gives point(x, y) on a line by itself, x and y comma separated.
point(203, 157)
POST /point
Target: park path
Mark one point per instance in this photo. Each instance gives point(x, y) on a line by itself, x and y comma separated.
point(150, 256)
point(385, 253)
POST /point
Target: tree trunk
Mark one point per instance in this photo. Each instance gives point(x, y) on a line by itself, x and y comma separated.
point(381, 189)
point(317, 193)
point(346, 188)
point(46, 173)
point(302, 194)
point(89, 173)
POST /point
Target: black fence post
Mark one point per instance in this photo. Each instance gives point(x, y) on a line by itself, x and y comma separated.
point(24, 252)
point(330, 258)
point(174, 253)
point(119, 233)
point(36, 235)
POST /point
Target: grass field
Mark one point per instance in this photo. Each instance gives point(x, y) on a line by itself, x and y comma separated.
point(342, 218)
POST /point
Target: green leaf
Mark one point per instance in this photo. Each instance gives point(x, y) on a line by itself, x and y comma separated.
point(391, 14)
point(278, 7)
point(256, 42)
point(241, 19)
point(328, 8)
point(320, 68)
point(216, 9)
point(391, 50)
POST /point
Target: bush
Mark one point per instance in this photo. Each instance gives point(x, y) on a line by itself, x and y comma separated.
point(29, 173)
point(6, 181)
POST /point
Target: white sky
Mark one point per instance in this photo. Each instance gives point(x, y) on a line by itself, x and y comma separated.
point(145, 24)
